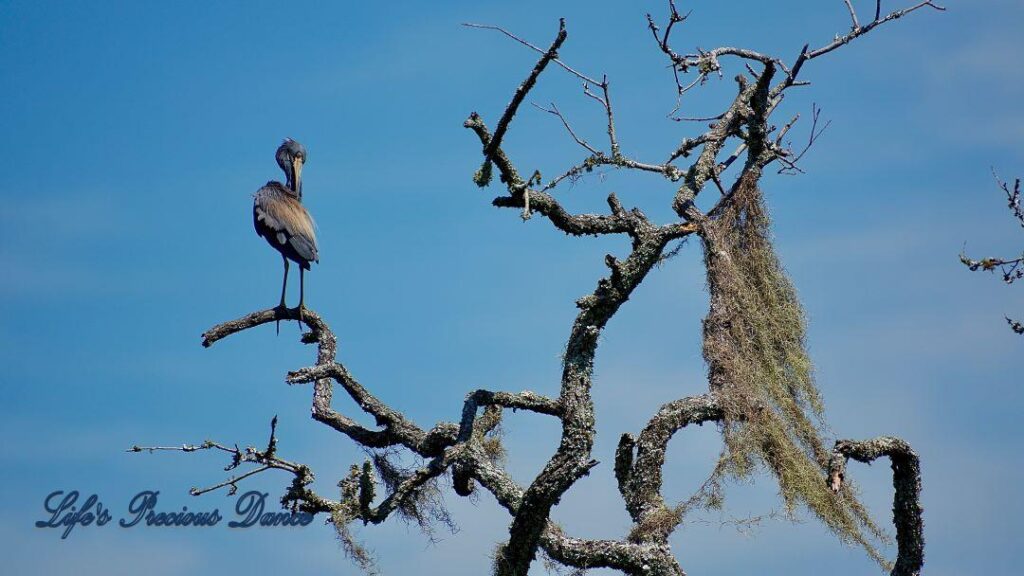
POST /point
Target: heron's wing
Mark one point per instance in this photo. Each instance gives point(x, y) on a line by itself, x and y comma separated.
point(279, 216)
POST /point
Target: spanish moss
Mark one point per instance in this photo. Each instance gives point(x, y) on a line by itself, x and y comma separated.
point(754, 344)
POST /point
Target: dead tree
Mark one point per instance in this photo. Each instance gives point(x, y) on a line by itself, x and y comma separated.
point(761, 391)
point(1011, 269)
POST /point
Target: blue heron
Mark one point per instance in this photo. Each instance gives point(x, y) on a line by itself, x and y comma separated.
point(281, 219)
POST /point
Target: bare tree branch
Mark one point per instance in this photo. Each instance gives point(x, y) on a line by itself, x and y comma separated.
point(790, 159)
point(853, 14)
point(1012, 197)
point(1012, 269)
point(522, 401)
point(556, 60)
point(859, 31)
point(639, 463)
point(524, 88)
point(580, 141)
point(267, 460)
point(906, 479)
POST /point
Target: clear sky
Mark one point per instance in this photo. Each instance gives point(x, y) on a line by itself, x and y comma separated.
point(134, 134)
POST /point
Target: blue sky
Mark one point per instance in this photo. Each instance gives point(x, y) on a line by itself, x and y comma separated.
point(134, 134)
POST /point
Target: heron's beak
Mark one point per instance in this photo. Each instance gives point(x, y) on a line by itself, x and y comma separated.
point(297, 174)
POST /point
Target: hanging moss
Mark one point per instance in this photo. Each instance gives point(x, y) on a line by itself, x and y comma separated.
point(754, 344)
point(353, 503)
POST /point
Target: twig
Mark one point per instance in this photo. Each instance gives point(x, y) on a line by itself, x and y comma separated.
point(1013, 198)
point(853, 14)
point(790, 164)
point(558, 61)
point(554, 110)
point(859, 31)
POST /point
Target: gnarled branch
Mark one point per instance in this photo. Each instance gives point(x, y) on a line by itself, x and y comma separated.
point(906, 479)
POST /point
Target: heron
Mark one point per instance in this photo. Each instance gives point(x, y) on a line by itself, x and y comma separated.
point(281, 219)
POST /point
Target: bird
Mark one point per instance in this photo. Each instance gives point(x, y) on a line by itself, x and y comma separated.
point(282, 220)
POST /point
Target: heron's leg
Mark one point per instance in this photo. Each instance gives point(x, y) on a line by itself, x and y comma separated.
point(284, 287)
point(302, 293)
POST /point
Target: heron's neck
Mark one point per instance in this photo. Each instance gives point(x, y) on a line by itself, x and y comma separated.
point(290, 184)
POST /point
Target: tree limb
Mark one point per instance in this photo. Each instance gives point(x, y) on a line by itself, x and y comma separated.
point(906, 479)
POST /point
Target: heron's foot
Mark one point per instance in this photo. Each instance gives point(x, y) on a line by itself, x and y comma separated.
point(280, 310)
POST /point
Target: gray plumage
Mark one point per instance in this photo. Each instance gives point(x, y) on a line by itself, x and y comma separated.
point(279, 216)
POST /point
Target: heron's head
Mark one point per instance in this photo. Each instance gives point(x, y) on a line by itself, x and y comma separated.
point(290, 157)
